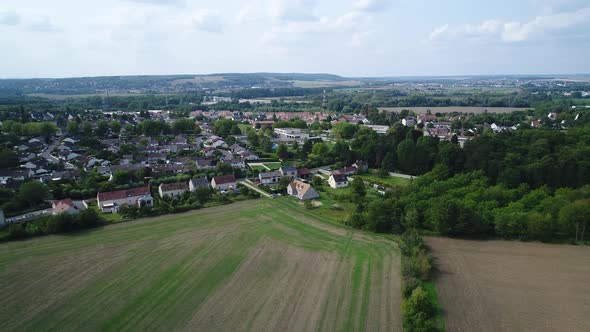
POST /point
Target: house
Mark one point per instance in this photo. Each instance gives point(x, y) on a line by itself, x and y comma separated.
point(290, 134)
point(224, 183)
point(193, 184)
point(68, 206)
point(270, 177)
point(17, 175)
point(303, 173)
point(206, 163)
point(173, 189)
point(110, 202)
point(409, 121)
point(302, 190)
point(347, 170)
point(288, 171)
point(338, 181)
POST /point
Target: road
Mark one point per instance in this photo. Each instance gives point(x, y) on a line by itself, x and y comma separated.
point(250, 185)
point(47, 153)
point(29, 216)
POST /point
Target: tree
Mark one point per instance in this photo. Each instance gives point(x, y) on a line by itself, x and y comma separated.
point(266, 144)
point(183, 126)
point(282, 151)
point(358, 189)
point(575, 215)
point(8, 158)
point(102, 128)
point(253, 138)
point(33, 193)
point(406, 155)
point(73, 128)
point(320, 149)
point(87, 129)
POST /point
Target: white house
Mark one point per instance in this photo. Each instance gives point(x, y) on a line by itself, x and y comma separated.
point(270, 177)
point(173, 189)
point(409, 121)
point(193, 184)
point(302, 190)
point(288, 171)
point(224, 183)
point(291, 134)
point(110, 202)
point(338, 180)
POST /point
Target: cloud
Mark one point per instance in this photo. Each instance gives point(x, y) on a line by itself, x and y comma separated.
point(292, 10)
point(9, 18)
point(512, 31)
point(160, 2)
point(372, 5)
point(208, 20)
point(42, 24)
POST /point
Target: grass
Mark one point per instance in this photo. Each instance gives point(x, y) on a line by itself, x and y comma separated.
point(430, 288)
point(387, 181)
point(166, 273)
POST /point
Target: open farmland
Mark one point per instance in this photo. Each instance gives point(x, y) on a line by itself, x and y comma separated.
point(512, 286)
point(459, 109)
point(253, 265)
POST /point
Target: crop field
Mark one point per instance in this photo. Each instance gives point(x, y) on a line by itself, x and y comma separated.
point(253, 265)
point(460, 109)
point(512, 286)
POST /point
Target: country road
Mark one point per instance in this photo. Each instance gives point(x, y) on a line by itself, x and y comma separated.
point(250, 185)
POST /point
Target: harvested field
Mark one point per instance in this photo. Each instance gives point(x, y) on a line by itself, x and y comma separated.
point(253, 265)
point(460, 109)
point(512, 286)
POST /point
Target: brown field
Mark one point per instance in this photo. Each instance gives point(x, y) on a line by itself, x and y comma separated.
point(326, 84)
point(260, 265)
point(461, 109)
point(512, 286)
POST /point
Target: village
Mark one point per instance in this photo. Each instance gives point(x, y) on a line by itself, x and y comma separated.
point(222, 159)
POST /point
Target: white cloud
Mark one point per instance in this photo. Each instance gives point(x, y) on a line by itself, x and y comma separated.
point(42, 24)
point(372, 5)
point(292, 10)
point(9, 18)
point(511, 31)
point(208, 20)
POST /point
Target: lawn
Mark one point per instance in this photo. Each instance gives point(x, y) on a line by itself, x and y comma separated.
point(387, 181)
point(252, 265)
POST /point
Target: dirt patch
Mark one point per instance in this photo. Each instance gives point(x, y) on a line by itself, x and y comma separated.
point(461, 109)
point(276, 288)
point(512, 286)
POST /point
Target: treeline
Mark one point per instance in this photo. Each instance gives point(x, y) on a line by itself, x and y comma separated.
point(468, 205)
point(61, 223)
point(277, 92)
point(420, 309)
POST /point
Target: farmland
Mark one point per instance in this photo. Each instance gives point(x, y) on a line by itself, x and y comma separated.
point(512, 286)
point(459, 109)
point(252, 265)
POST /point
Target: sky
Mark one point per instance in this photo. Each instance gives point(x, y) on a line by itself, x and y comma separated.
point(356, 38)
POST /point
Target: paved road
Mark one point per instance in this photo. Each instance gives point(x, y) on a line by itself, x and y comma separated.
point(250, 185)
point(399, 175)
point(29, 216)
point(47, 153)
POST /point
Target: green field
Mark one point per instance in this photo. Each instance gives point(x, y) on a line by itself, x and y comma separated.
point(253, 265)
point(388, 181)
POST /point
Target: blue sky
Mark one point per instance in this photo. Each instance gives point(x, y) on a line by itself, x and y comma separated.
point(62, 38)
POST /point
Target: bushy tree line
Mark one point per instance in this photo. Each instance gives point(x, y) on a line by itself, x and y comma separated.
point(468, 205)
point(419, 310)
point(60, 223)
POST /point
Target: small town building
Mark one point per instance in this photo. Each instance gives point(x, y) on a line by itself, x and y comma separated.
point(193, 184)
point(67, 206)
point(302, 190)
point(288, 171)
point(173, 189)
point(224, 183)
point(110, 202)
point(270, 177)
point(338, 180)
